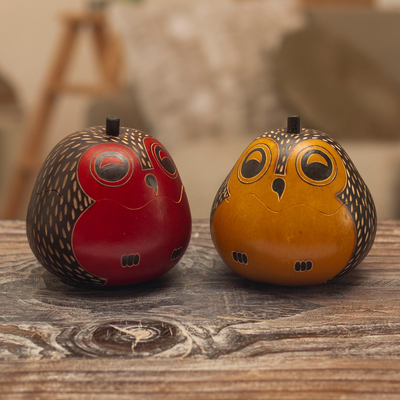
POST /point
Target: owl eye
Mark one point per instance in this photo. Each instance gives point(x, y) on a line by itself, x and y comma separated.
point(316, 166)
point(164, 160)
point(255, 163)
point(111, 166)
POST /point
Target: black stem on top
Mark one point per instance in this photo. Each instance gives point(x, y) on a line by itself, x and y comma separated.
point(293, 124)
point(112, 126)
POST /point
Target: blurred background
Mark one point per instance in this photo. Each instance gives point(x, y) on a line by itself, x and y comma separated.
point(205, 78)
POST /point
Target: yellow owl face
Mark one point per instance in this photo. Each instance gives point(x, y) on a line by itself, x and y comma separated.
point(293, 211)
point(309, 173)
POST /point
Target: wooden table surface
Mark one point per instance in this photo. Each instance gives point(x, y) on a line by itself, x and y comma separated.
point(200, 331)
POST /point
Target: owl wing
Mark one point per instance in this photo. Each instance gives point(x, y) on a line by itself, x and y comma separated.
point(222, 194)
point(358, 200)
point(365, 221)
point(54, 208)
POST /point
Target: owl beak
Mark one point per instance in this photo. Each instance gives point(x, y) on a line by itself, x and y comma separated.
point(278, 186)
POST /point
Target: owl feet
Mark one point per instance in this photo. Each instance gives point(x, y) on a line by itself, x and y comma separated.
point(303, 266)
point(130, 260)
point(176, 253)
point(239, 257)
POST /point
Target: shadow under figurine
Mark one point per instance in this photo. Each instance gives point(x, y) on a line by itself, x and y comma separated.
point(294, 210)
point(108, 208)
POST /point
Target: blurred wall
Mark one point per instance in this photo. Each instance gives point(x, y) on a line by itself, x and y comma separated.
point(388, 3)
point(29, 34)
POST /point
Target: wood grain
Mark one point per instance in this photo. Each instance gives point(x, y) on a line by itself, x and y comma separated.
point(200, 331)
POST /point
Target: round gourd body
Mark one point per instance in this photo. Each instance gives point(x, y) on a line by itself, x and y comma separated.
point(293, 211)
point(108, 210)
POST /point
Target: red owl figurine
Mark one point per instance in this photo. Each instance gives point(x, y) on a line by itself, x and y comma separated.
point(108, 208)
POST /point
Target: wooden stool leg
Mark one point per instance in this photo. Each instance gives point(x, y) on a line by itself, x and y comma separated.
point(109, 56)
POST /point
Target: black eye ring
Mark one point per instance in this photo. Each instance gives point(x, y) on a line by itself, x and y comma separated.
point(111, 166)
point(316, 166)
point(164, 160)
point(255, 163)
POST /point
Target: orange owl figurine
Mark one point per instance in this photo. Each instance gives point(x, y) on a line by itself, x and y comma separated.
point(108, 208)
point(294, 210)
